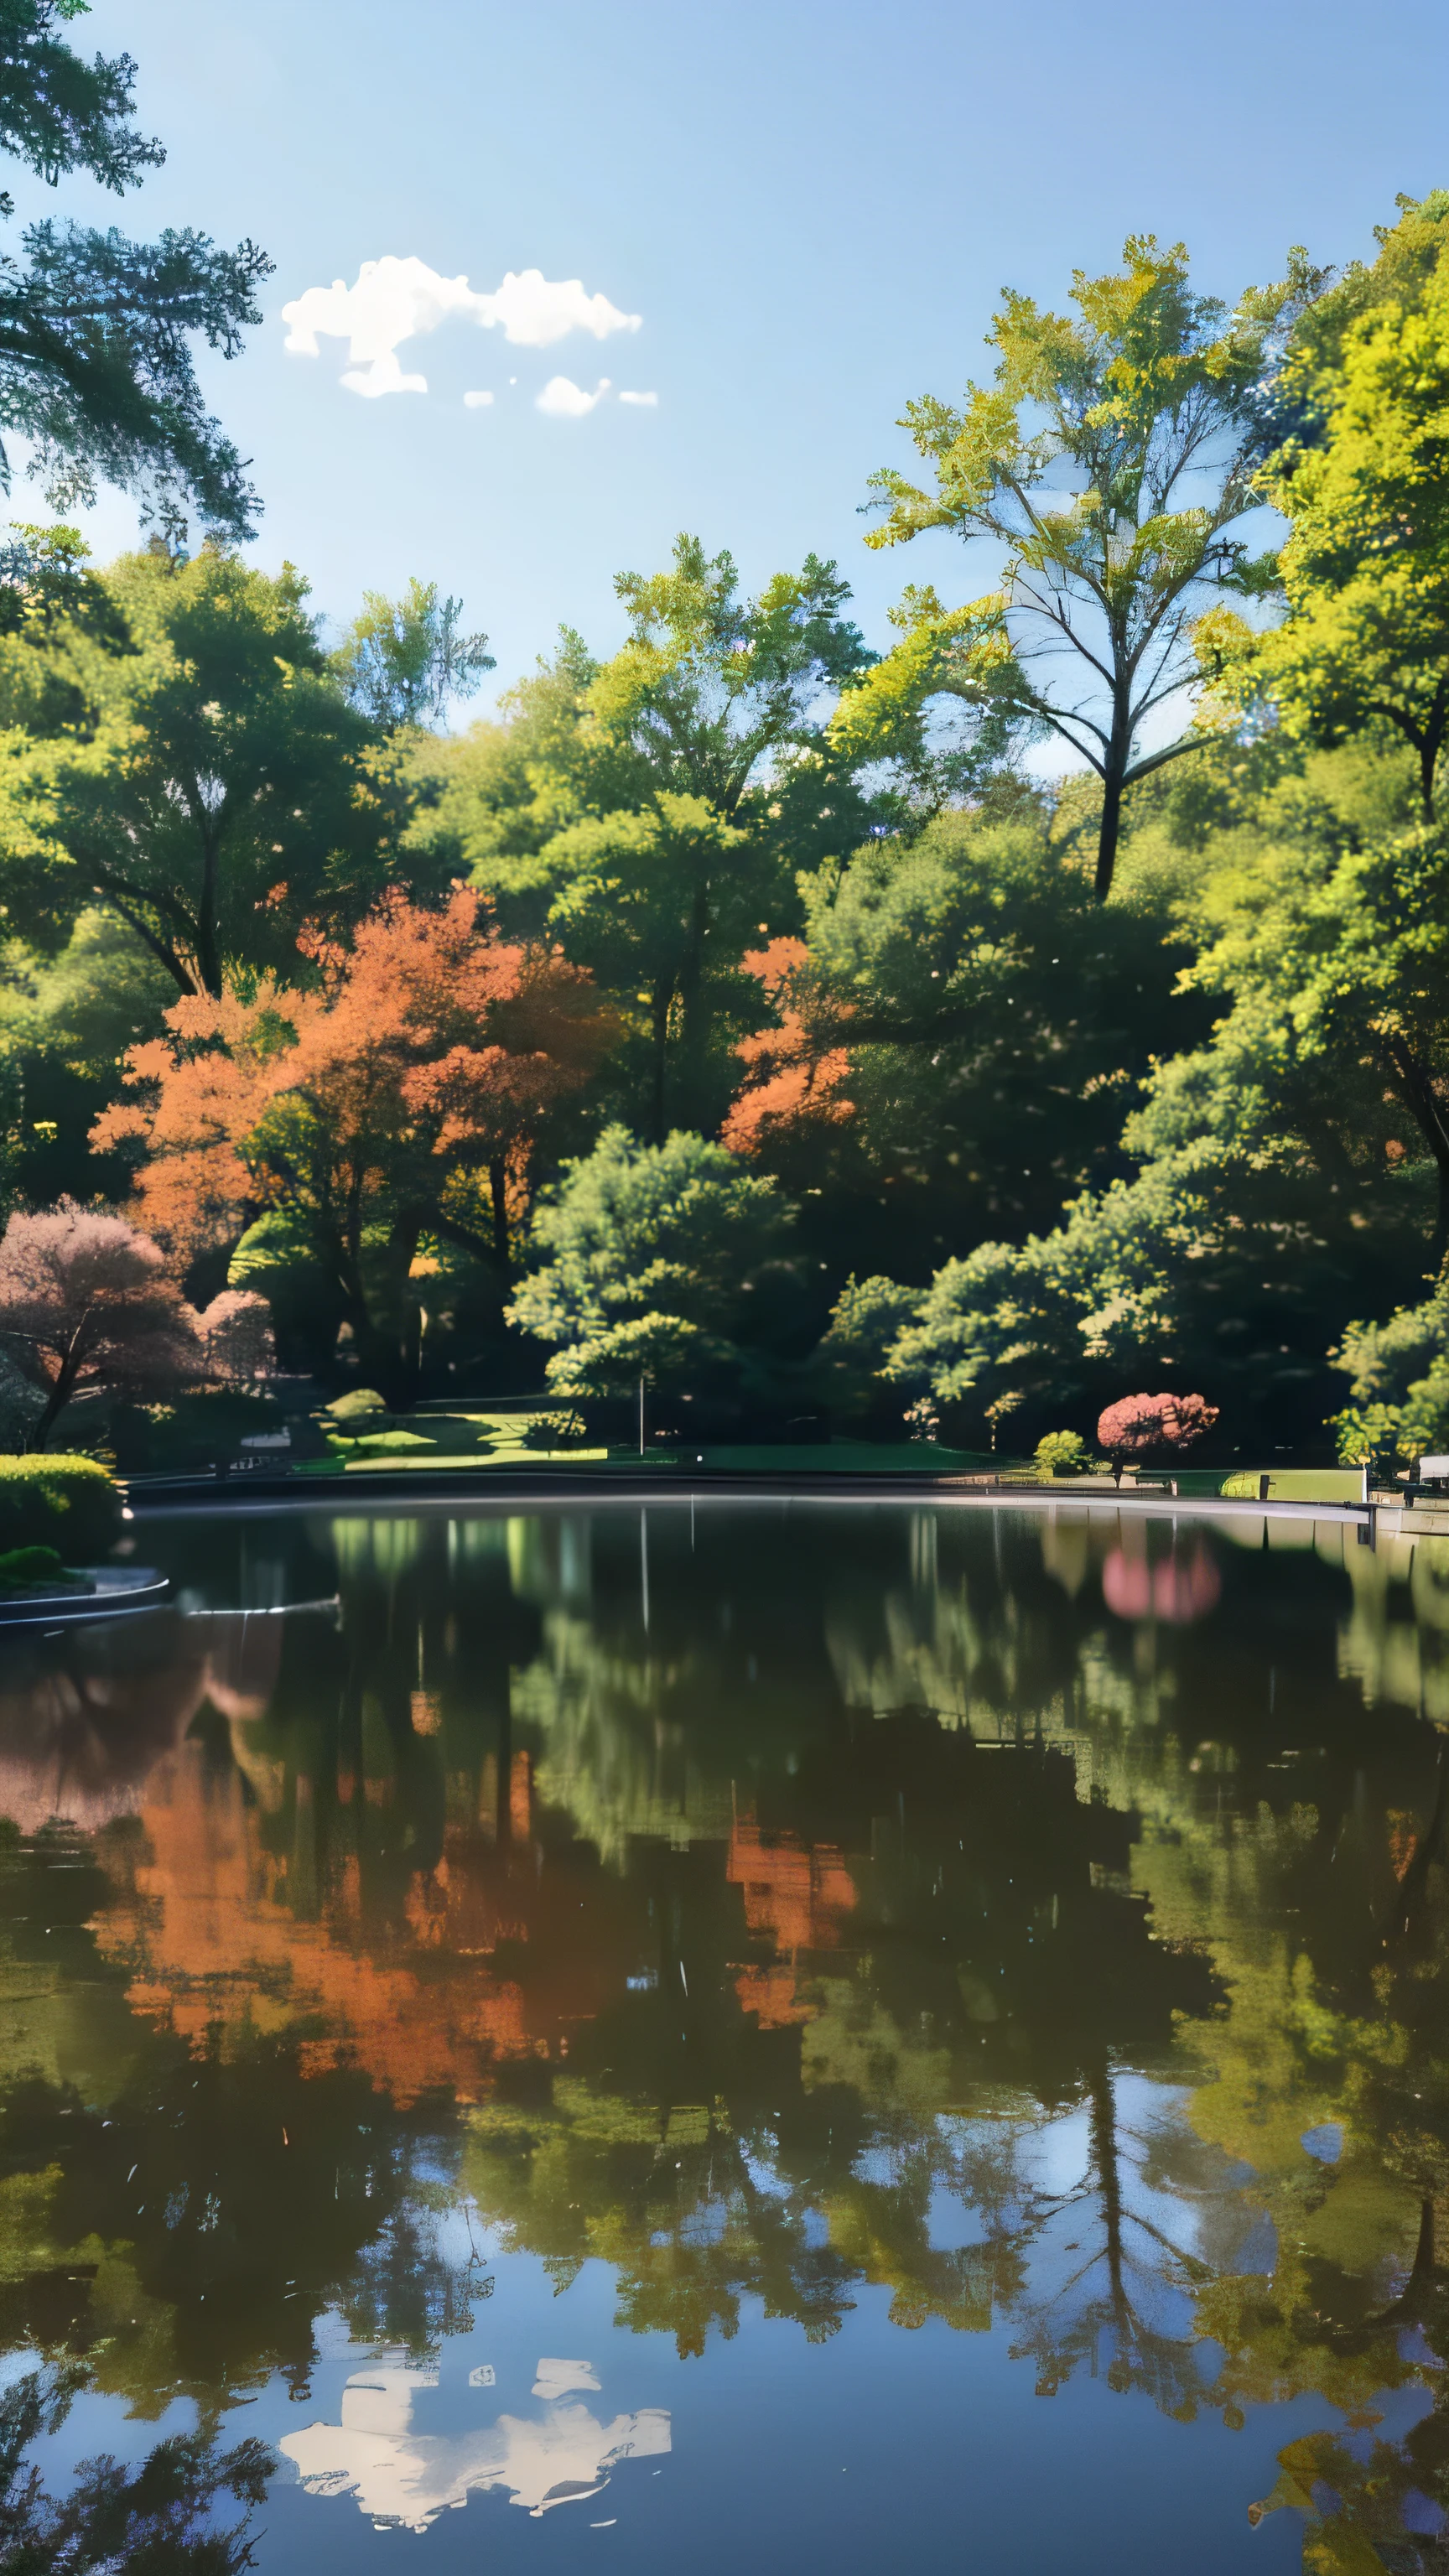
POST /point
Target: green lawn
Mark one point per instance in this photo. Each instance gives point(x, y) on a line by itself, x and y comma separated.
point(482, 1439)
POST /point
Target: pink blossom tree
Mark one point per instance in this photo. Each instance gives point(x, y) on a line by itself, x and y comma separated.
point(236, 1335)
point(1140, 1423)
point(85, 1302)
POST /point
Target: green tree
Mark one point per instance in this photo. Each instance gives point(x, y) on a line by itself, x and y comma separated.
point(958, 1039)
point(158, 2514)
point(706, 784)
point(650, 900)
point(95, 367)
point(490, 803)
point(65, 1023)
point(1273, 1179)
point(1398, 1376)
point(217, 794)
point(403, 661)
point(1364, 573)
point(1113, 459)
point(655, 810)
point(665, 1263)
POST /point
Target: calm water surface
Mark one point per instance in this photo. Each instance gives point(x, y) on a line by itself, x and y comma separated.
point(701, 2037)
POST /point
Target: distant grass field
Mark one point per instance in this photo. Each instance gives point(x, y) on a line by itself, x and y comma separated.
point(480, 1438)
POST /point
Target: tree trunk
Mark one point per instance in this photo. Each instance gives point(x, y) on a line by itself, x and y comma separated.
point(1421, 1099)
point(498, 1195)
point(659, 1040)
point(1109, 2184)
point(1111, 830)
point(55, 1404)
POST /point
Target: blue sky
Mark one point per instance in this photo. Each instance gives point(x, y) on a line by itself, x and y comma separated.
point(810, 207)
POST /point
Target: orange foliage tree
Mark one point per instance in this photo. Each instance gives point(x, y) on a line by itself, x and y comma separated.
point(387, 1110)
point(795, 1071)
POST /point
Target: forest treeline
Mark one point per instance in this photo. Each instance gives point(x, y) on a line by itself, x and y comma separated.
point(738, 1011)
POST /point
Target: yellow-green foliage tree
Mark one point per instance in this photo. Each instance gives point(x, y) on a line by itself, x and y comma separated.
point(1364, 483)
point(1112, 460)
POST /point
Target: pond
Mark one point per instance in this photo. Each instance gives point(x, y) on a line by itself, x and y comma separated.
point(718, 2033)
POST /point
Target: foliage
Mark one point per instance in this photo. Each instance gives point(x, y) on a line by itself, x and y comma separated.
point(654, 810)
point(95, 367)
point(65, 1021)
point(650, 900)
point(56, 1500)
point(848, 1366)
point(403, 661)
point(156, 2515)
point(1062, 1453)
point(1364, 573)
point(664, 1263)
point(957, 1037)
point(361, 1404)
point(85, 1303)
point(235, 1332)
point(1139, 1424)
point(390, 1107)
point(1113, 460)
point(216, 795)
point(1399, 1381)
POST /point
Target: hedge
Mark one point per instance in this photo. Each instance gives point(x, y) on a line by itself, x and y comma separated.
point(67, 1503)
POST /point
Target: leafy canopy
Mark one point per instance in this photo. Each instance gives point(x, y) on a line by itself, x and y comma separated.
point(403, 661)
point(95, 366)
point(1112, 460)
point(387, 1109)
point(215, 793)
point(1364, 573)
point(654, 1262)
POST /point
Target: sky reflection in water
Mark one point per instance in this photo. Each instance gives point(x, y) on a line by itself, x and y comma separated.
point(744, 2031)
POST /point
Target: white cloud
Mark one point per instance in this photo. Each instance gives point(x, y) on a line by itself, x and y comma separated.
point(477, 402)
point(568, 401)
point(393, 2473)
point(535, 312)
point(641, 399)
point(398, 299)
point(383, 376)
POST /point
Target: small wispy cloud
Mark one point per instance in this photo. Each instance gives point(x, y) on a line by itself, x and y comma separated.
point(383, 376)
point(650, 400)
point(477, 402)
point(400, 299)
point(568, 401)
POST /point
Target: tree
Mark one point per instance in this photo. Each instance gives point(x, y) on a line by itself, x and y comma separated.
point(1113, 459)
point(1138, 1424)
point(95, 368)
point(664, 1263)
point(1398, 1376)
point(403, 661)
point(65, 1022)
point(387, 1113)
point(217, 794)
point(1364, 573)
point(85, 1302)
point(655, 905)
point(236, 1335)
point(710, 688)
point(956, 1038)
point(158, 2514)
point(706, 784)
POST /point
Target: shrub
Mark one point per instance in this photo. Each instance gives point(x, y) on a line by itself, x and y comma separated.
point(1062, 1453)
point(1144, 1422)
point(67, 1503)
point(362, 1408)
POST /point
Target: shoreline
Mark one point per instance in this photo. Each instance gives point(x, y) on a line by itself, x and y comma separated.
point(418, 1491)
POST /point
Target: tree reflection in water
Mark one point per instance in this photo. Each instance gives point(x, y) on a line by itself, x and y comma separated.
point(1041, 1920)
